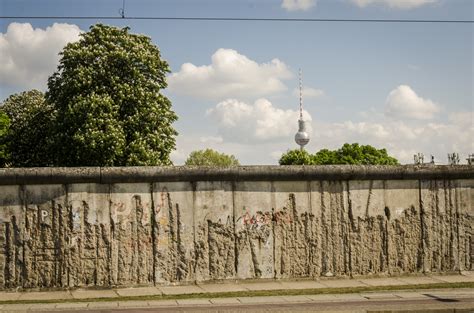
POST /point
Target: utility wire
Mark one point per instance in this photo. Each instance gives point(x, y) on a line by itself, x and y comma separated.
point(243, 19)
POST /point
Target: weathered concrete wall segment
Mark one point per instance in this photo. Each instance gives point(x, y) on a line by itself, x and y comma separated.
point(140, 233)
point(110, 175)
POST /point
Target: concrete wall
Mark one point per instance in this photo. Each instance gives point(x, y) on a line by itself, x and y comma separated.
point(142, 226)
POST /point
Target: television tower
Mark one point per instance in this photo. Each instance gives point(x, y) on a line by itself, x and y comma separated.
point(301, 137)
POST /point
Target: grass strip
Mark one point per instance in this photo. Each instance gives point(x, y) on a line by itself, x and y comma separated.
point(256, 293)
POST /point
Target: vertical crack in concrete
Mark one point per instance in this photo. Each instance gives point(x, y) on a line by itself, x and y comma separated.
point(234, 243)
point(297, 237)
point(371, 187)
point(221, 249)
point(182, 268)
point(154, 234)
point(13, 261)
point(421, 256)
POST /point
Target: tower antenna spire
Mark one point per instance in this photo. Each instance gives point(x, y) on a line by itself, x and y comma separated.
point(301, 93)
point(301, 137)
point(122, 10)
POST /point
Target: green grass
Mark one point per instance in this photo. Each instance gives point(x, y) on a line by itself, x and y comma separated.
point(259, 293)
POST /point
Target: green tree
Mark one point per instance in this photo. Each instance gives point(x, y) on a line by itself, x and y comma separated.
point(107, 94)
point(324, 157)
point(30, 118)
point(296, 157)
point(4, 127)
point(365, 154)
point(211, 157)
point(347, 154)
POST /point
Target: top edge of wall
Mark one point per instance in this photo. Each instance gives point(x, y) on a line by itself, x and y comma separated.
point(148, 174)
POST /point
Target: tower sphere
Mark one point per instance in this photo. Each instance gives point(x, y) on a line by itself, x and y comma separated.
point(302, 137)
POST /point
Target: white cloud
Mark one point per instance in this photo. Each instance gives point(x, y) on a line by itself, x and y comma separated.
point(464, 119)
point(401, 139)
point(276, 155)
point(394, 4)
point(261, 121)
point(403, 102)
point(29, 55)
point(211, 139)
point(230, 75)
point(308, 92)
point(179, 156)
point(298, 5)
point(245, 153)
point(374, 130)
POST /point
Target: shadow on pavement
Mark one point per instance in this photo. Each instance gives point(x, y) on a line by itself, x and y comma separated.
point(440, 299)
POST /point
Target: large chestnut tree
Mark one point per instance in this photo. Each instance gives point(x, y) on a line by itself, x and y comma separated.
point(108, 102)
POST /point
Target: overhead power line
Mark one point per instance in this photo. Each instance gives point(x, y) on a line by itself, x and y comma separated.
point(243, 19)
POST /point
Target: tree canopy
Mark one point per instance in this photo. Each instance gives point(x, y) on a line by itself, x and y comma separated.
point(347, 154)
point(106, 93)
point(4, 127)
point(30, 122)
point(296, 157)
point(211, 157)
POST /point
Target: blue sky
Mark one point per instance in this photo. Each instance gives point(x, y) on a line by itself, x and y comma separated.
point(405, 87)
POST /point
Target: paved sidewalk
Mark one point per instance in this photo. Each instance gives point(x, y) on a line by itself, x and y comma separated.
point(457, 300)
point(160, 296)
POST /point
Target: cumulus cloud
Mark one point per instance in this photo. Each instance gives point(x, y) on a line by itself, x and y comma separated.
point(298, 5)
point(230, 75)
point(374, 130)
point(394, 4)
point(211, 139)
point(465, 119)
point(29, 55)
point(238, 134)
point(309, 92)
point(400, 138)
point(403, 102)
point(261, 121)
point(260, 131)
point(276, 155)
point(179, 156)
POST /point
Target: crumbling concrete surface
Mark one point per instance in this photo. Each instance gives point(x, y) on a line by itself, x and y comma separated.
point(112, 234)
